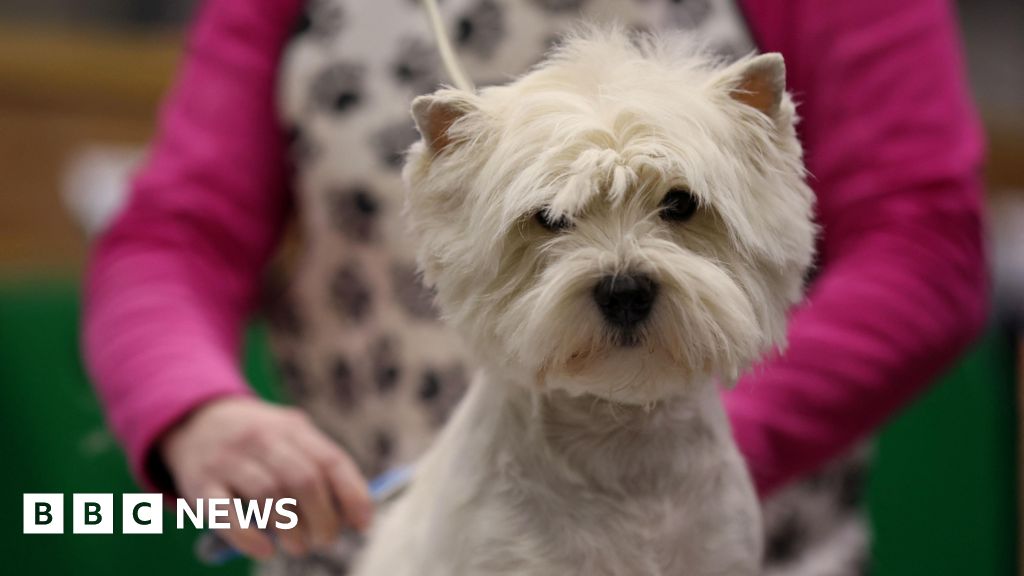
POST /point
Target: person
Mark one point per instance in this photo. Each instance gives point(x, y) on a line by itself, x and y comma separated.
point(270, 123)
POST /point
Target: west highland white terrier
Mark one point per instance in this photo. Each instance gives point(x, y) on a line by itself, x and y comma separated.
point(614, 234)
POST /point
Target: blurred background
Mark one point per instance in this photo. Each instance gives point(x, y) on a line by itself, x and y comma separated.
point(80, 82)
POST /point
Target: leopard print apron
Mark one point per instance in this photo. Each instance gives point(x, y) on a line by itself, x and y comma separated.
point(356, 336)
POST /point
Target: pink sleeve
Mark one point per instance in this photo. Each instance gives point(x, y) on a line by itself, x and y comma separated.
point(170, 284)
point(894, 151)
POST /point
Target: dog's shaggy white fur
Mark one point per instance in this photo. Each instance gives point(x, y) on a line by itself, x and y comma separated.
point(592, 443)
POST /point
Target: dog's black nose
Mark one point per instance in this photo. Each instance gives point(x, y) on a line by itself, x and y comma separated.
point(625, 300)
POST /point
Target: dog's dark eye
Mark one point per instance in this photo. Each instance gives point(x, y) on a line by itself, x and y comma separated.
point(552, 225)
point(679, 205)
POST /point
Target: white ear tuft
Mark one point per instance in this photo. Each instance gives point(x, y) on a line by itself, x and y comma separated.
point(435, 113)
point(758, 82)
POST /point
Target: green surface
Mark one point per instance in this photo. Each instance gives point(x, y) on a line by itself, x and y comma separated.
point(942, 496)
point(56, 441)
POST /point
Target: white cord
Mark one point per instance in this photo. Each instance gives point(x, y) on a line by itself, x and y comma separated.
point(444, 45)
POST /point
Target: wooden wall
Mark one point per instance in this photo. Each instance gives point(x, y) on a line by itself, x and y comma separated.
point(61, 90)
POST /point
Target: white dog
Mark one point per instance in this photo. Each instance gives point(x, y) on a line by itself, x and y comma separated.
point(613, 234)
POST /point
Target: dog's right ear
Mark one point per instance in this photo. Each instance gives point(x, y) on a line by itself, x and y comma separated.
point(758, 82)
point(436, 113)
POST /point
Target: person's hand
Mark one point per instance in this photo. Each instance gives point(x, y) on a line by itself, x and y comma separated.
point(248, 448)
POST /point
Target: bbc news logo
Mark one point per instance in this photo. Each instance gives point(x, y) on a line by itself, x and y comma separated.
point(143, 513)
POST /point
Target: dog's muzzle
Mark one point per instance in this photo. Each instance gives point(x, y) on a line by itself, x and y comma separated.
point(625, 300)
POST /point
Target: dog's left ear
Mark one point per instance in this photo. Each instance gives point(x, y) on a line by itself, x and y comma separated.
point(758, 82)
point(436, 113)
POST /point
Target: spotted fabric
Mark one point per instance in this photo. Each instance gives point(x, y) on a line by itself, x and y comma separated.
point(355, 332)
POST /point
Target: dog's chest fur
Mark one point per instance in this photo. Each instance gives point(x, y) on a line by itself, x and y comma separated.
point(547, 484)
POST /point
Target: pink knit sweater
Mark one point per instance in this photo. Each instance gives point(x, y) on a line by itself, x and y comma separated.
point(893, 147)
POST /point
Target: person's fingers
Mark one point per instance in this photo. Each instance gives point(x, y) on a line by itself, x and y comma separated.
point(251, 479)
point(350, 488)
point(252, 541)
point(318, 517)
point(347, 483)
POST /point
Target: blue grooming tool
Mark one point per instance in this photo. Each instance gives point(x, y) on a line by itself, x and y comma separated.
point(213, 550)
point(390, 484)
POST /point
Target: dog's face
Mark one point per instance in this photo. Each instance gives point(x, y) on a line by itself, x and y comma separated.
point(621, 221)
